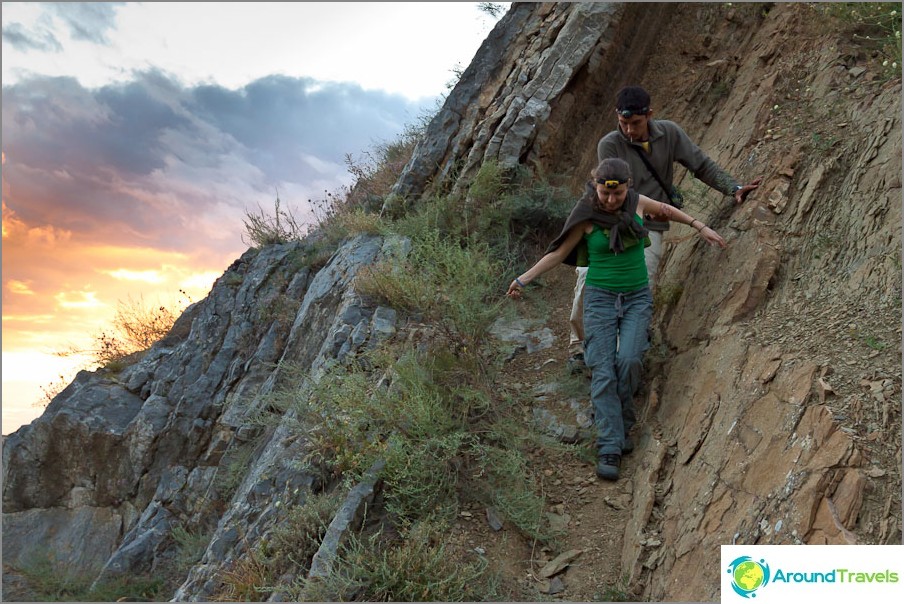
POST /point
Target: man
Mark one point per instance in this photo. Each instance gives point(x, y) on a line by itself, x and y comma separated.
point(640, 140)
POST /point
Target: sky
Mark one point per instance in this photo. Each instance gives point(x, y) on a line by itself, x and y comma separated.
point(137, 136)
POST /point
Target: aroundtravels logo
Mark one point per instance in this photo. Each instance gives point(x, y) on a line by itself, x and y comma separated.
point(748, 575)
point(811, 573)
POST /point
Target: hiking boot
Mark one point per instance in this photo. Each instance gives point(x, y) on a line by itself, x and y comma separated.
point(576, 363)
point(627, 445)
point(607, 468)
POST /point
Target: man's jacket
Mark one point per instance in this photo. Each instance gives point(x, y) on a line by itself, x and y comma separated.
point(668, 144)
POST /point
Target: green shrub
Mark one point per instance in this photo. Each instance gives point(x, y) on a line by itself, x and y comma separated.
point(50, 581)
point(234, 467)
point(246, 579)
point(415, 568)
point(190, 547)
point(455, 287)
point(299, 532)
point(514, 494)
point(421, 476)
point(343, 421)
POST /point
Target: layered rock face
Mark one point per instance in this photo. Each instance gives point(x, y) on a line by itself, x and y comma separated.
point(746, 439)
point(753, 427)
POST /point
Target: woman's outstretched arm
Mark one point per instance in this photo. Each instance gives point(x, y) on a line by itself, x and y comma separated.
point(550, 260)
point(661, 210)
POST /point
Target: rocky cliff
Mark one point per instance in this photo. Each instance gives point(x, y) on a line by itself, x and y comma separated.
point(772, 413)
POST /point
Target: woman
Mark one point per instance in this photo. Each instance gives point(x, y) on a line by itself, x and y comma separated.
point(606, 228)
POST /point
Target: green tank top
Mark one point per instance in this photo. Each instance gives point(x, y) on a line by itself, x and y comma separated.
point(625, 272)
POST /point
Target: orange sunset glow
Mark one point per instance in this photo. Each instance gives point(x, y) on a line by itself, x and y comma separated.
point(134, 147)
point(60, 290)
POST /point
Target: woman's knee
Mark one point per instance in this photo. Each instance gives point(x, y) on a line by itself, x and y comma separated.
point(632, 362)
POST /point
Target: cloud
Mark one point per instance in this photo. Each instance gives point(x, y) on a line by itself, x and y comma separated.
point(84, 21)
point(141, 187)
point(279, 118)
point(79, 300)
point(87, 20)
point(153, 163)
point(24, 40)
point(19, 287)
point(124, 274)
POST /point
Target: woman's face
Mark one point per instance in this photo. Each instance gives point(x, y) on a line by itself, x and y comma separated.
point(611, 197)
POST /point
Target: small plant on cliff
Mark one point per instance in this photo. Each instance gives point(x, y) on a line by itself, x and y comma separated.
point(51, 389)
point(50, 581)
point(617, 592)
point(346, 211)
point(876, 25)
point(136, 326)
point(281, 226)
point(453, 286)
point(377, 169)
point(190, 547)
point(415, 567)
point(493, 9)
point(247, 579)
point(300, 531)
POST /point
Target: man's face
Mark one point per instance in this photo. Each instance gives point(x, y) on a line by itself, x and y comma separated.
point(635, 127)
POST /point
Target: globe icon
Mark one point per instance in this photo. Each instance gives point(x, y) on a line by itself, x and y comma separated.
point(748, 575)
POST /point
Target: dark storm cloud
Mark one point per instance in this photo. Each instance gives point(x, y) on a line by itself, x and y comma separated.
point(24, 40)
point(151, 162)
point(87, 20)
point(55, 122)
point(279, 116)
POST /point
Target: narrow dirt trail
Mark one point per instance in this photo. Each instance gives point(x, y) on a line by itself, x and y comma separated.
point(591, 513)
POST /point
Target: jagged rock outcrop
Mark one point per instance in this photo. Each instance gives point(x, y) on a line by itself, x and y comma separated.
point(542, 76)
point(159, 434)
point(742, 441)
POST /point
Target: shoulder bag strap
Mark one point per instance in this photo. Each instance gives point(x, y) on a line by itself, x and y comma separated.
point(653, 171)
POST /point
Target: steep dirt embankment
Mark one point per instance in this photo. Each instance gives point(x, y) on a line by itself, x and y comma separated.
point(773, 411)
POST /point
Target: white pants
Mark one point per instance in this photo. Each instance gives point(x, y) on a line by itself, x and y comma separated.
point(652, 255)
point(576, 322)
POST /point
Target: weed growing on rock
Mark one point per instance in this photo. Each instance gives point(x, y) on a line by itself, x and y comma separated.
point(877, 25)
point(262, 228)
point(413, 568)
point(136, 326)
point(52, 582)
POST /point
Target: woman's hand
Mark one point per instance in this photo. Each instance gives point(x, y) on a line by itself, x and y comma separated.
point(514, 290)
point(712, 237)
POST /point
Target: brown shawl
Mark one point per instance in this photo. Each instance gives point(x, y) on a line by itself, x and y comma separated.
point(624, 231)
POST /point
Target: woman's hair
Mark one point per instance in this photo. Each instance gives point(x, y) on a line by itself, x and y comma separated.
point(612, 168)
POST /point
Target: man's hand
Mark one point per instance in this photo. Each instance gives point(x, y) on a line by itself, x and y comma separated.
point(742, 193)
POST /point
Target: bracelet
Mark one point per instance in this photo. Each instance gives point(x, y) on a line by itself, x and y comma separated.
point(693, 221)
point(518, 281)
